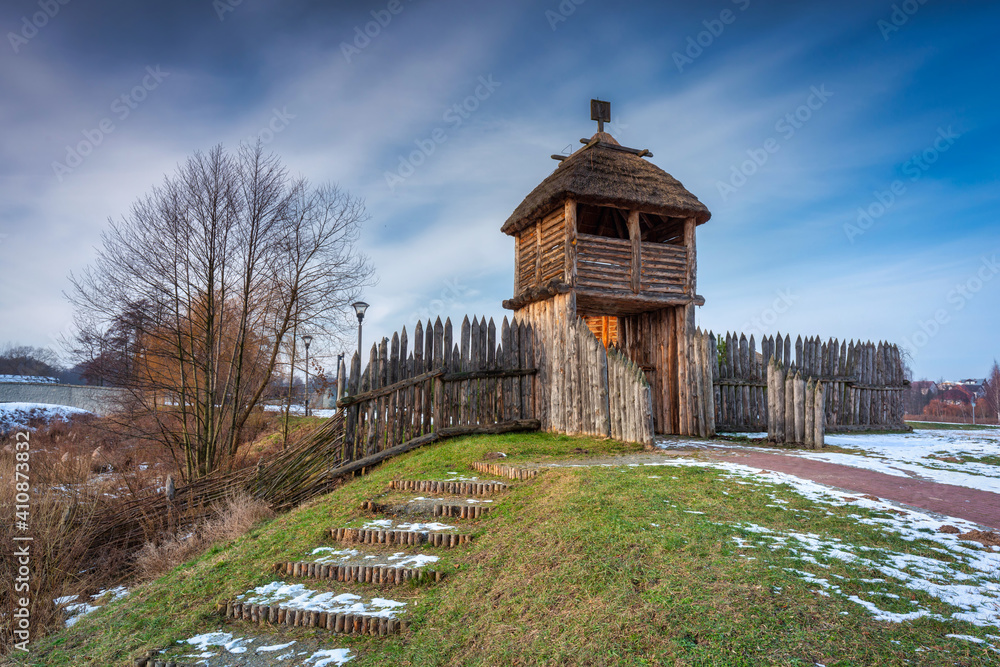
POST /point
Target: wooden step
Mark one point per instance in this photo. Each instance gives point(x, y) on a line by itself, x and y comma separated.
point(504, 470)
point(458, 488)
point(461, 511)
point(346, 624)
point(152, 661)
point(399, 537)
point(362, 574)
point(465, 511)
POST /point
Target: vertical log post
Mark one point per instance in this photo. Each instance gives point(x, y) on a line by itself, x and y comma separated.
point(809, 411)
point(635, 237)
point(799, 403)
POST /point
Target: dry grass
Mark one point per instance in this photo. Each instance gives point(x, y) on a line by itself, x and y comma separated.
point(235, 517)
point(78, 470)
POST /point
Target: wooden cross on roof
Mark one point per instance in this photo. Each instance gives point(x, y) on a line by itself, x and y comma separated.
point(601, 112)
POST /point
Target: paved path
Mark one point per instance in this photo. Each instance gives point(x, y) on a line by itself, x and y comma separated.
point(982, 507)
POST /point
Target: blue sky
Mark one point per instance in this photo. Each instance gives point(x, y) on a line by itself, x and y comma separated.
point(787, 119)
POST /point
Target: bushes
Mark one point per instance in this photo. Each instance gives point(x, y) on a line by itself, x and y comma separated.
point(233, 518)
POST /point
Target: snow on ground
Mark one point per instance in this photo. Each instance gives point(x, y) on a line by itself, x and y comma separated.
point(471, 501)
point(962, 574)
point(399, 559)
point(38, 379)
point(77, 610)
point(387, 524)
point(16, 416)
point(324, 413)
point(212, 644)
point(919, 454)
point(298, 596)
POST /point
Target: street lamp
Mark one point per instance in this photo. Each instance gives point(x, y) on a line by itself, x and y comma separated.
point(359, 309)
point(307, 339)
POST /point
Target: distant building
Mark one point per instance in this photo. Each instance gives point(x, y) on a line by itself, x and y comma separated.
point(924, 387)
point(956, 395)
point(973, 387)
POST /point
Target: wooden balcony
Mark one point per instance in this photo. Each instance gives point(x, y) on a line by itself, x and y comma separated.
point(604, 268)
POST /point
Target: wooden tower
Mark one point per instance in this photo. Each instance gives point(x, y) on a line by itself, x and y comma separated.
point(610, 237)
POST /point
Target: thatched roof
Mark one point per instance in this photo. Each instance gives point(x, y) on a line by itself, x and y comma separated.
point(602, 172)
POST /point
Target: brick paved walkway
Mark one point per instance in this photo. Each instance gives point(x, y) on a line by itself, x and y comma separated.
point(982, 507)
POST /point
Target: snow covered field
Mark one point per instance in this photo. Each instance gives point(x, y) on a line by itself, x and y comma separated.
point(957, 579)
point(17, 416)
point(923, 454)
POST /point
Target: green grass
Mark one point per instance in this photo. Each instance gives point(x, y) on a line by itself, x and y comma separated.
point(568, 570)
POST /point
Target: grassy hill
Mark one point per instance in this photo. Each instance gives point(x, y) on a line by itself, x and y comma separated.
point(602, 565)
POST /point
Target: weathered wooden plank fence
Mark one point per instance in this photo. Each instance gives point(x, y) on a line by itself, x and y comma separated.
point(864, 382)
point(443, 386)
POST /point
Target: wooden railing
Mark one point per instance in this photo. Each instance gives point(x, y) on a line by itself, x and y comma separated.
point(605, 263)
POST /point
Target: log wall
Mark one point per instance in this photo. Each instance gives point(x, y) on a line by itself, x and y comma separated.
point(582, 387)
point(864, 382)
point(673, 353)
point(540, 252)
point(795, 407)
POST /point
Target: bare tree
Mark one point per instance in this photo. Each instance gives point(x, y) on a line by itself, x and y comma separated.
point(992, 391)
point(199, 287)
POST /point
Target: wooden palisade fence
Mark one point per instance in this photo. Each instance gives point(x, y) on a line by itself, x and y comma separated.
point(584, 389)
point(441, 387)
point(864, 382)
point(795, 407)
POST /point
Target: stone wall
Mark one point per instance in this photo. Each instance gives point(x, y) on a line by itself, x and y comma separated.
point(100, 400)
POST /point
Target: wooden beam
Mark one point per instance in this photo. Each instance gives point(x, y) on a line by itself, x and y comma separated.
point(692, 256)
point(538, 252)
point(517, 263)
point(636, 237)
point(569, 219)
point(385, 391)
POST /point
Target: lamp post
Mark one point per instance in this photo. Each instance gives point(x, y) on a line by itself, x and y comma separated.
point(359, 309)
point(307, 339)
